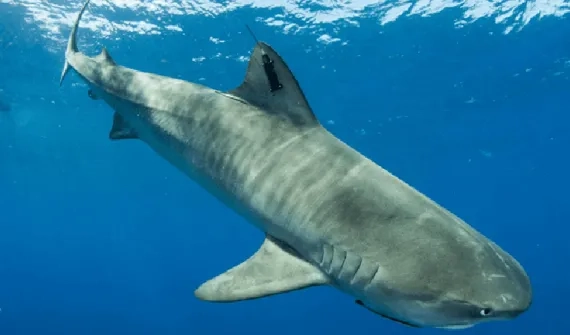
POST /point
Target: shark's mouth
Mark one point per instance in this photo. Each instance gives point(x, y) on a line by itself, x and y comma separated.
point(405, 323)
point(456, 327)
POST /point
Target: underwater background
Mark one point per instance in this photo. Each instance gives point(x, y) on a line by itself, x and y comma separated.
point(466, 100)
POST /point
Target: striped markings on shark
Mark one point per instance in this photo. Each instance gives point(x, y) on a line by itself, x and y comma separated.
point(330, 215)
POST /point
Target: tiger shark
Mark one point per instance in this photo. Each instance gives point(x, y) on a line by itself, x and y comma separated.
point(330, 215)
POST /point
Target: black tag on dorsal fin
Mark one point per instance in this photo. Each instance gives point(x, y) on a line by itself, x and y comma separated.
point(269, 67)
point(270, 85)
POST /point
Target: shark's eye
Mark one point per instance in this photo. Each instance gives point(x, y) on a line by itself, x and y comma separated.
point(486, 311)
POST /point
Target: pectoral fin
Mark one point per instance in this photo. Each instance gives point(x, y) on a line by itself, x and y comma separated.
point(273, 269)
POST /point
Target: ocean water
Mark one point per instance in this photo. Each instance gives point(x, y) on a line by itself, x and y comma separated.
point(467, 101)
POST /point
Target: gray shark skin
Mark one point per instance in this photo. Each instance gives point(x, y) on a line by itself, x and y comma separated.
point(331, 216)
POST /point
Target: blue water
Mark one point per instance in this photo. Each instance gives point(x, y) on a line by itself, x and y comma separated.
point(101, 237)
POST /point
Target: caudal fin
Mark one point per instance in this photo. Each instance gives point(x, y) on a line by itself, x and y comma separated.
point(72, 44)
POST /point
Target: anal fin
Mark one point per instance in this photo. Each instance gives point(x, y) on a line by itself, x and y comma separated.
point(273, 269)
point(92, 95)
point(121, 130)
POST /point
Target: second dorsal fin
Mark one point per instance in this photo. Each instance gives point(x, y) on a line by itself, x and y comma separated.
point(270, 85)
point(104, 56)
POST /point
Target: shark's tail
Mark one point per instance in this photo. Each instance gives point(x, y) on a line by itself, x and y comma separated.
point(72, 44)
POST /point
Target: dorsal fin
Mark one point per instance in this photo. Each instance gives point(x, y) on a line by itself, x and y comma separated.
point(270, 85)
point(104, 56)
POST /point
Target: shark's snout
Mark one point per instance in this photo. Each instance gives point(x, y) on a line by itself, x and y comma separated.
point(512, 288)
point(518, 303)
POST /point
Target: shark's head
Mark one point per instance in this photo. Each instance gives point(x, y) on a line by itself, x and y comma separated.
point(491, 299)
point(490, 296)
point(493, 287)
point(459, 280)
